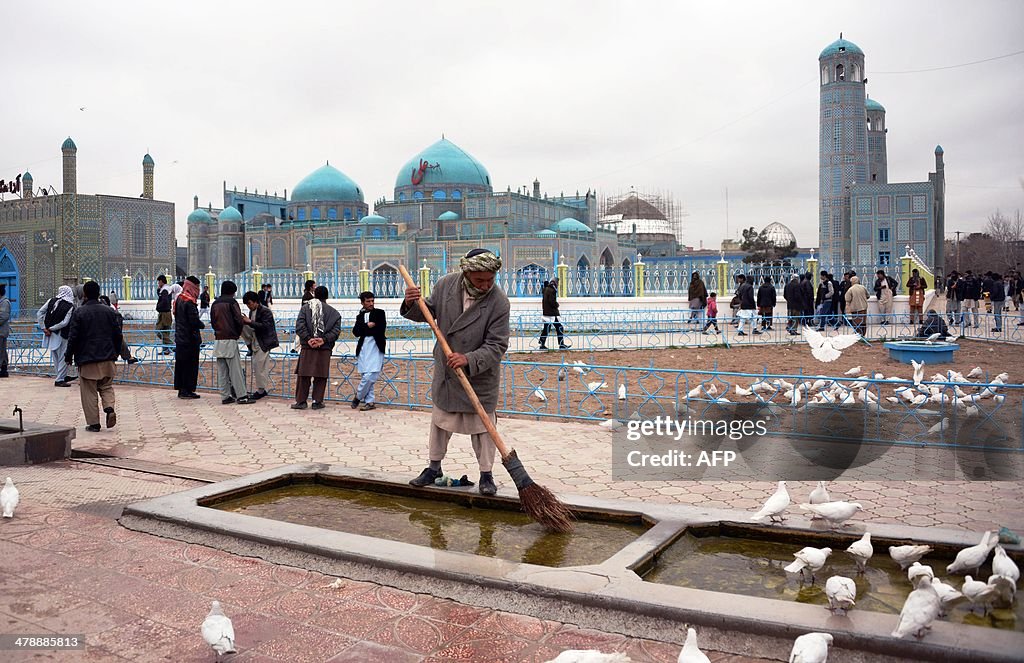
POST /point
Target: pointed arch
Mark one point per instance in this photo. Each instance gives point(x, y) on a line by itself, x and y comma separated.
point(607, 259)
point(10, 277)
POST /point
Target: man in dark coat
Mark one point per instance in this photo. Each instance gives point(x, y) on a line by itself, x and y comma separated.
point(187, 339)
point(473, 314)
point(372, 324)
point(549, 315)
point(807, 298)
point(766, 300)
point(791, 294)
point(317, 328)
point(748, 307)
point(227, 322)
point(261, 333)
point(164, 321)
point(94, 342)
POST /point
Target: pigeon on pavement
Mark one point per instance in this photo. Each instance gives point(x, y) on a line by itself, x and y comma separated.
point(918, 371)
point(775, 504)
point(589, 656)
point(811, 648)
point(819, 495)
point(835, 513)
point(218, 631)
point(691, 653)
point(9, 498)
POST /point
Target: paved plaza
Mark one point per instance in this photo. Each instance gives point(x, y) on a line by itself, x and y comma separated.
point(70, 568)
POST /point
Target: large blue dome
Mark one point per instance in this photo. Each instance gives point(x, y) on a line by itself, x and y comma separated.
point(229, 213)
point(326, 184)
point(199, 215)
point(872, 105)
point(454, 166)
point(840, 46)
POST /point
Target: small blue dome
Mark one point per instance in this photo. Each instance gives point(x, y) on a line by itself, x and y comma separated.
point(872, 105)
point(454, 166)
point(840, 46)
point(147, 160)
point(571, 225)
point(546, 233)
point(373, 220)
point(229, 213)
point(938, 149)
point(448, 216)
point(69, 144)
point(199, 215)
point(26, 176)
point(327, 184)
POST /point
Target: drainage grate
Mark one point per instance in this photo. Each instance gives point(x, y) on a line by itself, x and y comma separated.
point(148, 467)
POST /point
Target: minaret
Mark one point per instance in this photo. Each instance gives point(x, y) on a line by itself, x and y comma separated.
point(842, 149)
point(195, 202)
point(536, 188)
point(939, 182)
point(877, 158)
point(70, 152)
point(26, 185)
point(147, 177)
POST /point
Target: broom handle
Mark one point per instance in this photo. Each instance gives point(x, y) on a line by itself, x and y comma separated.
point(480, 411)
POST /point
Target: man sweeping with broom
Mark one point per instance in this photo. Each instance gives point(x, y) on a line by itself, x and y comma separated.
point(472, 313)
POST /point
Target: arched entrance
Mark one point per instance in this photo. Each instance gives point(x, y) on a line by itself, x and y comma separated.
point(386, 282)
point(9, 277)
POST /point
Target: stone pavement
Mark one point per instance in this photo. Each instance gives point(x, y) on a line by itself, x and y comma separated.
point(69, 568)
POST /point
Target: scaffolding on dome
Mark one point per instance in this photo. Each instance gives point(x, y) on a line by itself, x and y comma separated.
point(610, 218)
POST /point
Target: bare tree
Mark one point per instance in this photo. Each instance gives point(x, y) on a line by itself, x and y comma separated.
point(1008, 236)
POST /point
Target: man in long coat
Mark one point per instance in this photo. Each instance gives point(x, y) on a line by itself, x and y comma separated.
point(473, 314)
point(317, 328)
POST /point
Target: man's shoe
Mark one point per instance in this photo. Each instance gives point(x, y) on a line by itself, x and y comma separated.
point(133, 360)
point(111, 416)
point(487, 486)
point(256, 395)
point(757, 333)
point(61, 383)
point(244, 400)
point(70, 378)
point(4, 374)
point(227, 401)
point(299, 406)
point(542, 347)
point(355, 403)
point(426, 478)
point(317, 405)
point(367, 406)
point(93, 428)
point(741, 333)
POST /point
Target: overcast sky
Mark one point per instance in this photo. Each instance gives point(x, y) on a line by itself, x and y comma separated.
point(686, 97)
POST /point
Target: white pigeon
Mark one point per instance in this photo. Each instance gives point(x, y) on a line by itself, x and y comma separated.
point(740, 391)
point(808, 558)
point(712, 390)
point(999, 398)
point(916, 570)
point(594, 386)
point(580, 367)
point(892, 399)
point(836, 513)
point(622, 391)
point(775, 504)
point(878, 376)
point(9, 498)
point(1004, 566)
point(933, 338)
point(978, 592)
point(828, 348)
point(218, 631)
point(971, 411)
point(919, 610)
point(861, 550)
point(589, 656)
point(976, 372)
point(539, 394)
point(614, 424)
point(873, 406)
point(853, 371)
point(1003, 377)
point(694, 393)
point(1006, 589)
point(948, 594)
point(811, 648)
point(939, 427)
point(561, 374)
point(918, 371)
point(819, 495)
point(907, 555)
point(817, 385)
point(841, 593)
point(691, 653)
point(974, 556)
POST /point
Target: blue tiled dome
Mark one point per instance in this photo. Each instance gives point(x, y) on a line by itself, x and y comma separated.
point(546, 233)
point(147, 160)
point(938, 149)
point(839, 46)
point(199, 215)
point(373, 220)
point(571, 225)
point(26, 176)
point(455, 166)
point(448, 216)
point(69, 144)
point(229, 213)
point(872, 105)
point(327, 184)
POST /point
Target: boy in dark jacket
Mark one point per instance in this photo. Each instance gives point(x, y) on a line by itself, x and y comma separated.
point(766, 299)
point(371, 325)
point(549, 315)
point(261, 332)
point(94, 342)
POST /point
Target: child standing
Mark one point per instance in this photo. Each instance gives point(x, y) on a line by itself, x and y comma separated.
point(370, 324)
point(712, 313)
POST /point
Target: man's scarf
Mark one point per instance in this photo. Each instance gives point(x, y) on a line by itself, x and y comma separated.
point(189, 293)
point(481, 262)
point(65, 293)
point(316, 311)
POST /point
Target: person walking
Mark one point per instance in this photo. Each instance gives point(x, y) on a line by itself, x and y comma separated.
point(857, 305)
point(227, 322)
point(112, 298)
point(712, 314)
point(997, 295)
point(5, 328)
point(262, 335)
point(953, 283)
point(473, 314)
point(549, 315)
point(698, 295)
point(163, 313)
point(204, 301)
point(126, 352)
point(916, 287)
point(270, 295)
point(372, 324)
point(317, 328)
point(748, 308)
point(54, 318)
point(94, 341)
point(807, 298)
point(188, 339)
point(794, 309)
point(766, 300)
point(824, 300)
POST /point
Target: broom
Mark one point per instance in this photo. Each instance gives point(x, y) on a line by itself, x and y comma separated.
point(538, 502)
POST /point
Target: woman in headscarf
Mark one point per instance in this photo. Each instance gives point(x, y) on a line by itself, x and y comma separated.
point(698, 295)
point(54, 318)
point(318, 327)
point(187, 339)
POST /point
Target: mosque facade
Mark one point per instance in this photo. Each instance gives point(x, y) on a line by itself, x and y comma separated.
point(48, 239)
point(863, 218)
point(443, 204)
